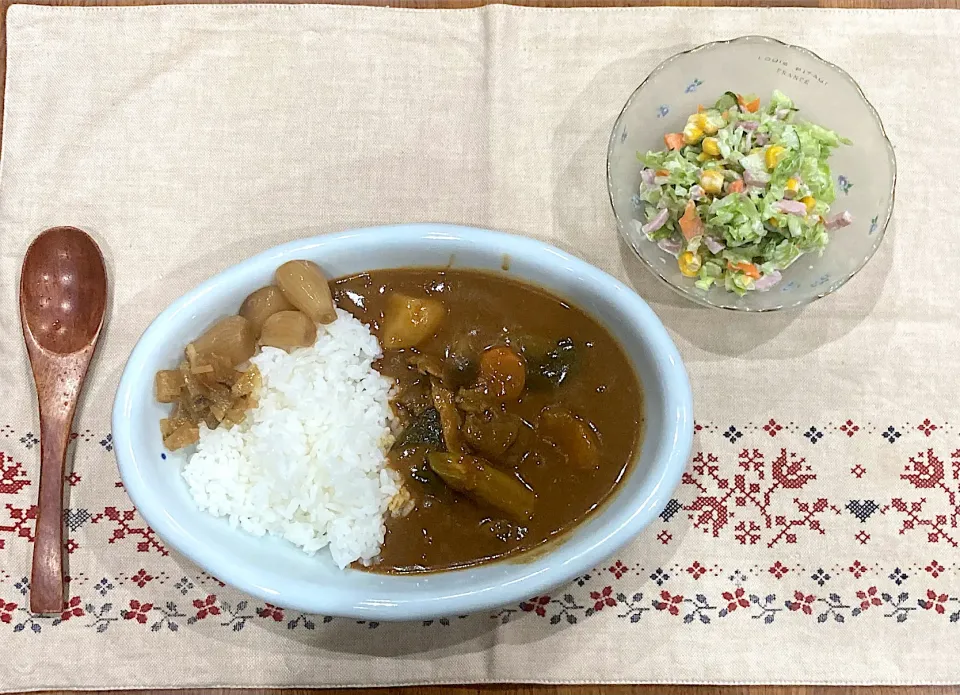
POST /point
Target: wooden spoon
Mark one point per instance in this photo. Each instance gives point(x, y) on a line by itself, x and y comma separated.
point(63, 297)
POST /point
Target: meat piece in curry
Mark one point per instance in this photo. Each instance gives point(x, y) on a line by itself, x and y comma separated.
point(518, 413)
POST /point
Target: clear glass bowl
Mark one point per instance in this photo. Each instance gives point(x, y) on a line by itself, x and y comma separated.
point(865, 173)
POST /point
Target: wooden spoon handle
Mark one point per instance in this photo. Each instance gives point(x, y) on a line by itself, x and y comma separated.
point(46, 579)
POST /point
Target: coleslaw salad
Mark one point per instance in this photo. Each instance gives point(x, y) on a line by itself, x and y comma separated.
point(741, 193)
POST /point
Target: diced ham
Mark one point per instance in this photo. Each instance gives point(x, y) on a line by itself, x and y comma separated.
point(767, 281)
point(647, 176)
point(839, 220)
point(792, 207)
point(696, 192)
point(715, 245)
point(762, 139)
point(656, 223)
point(749, 125)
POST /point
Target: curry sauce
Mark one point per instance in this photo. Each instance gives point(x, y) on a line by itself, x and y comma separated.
point(518, 413)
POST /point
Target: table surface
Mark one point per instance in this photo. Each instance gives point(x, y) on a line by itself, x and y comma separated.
point(553, 689)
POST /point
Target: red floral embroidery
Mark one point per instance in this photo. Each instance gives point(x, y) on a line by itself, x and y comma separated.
point(802, 602)
point(778, 570)
point(753, 489)
point(617, 569)
point(6, 611)
point(21, 518)
point(138, 611)
point(849, 429)
point(747, 532)
point(141, 578)
point(747, 496)
point(271, 611)
point(857, 569)
point(772, 427)
point(123, 518)
point(206, 606)
point(869, 598)
point(935, 601)
point(926, 472)
point(12, 476)
point(669, 603)
point(927, 427)
point(736, 600)
point(602, 598)
point(73, 610)
point(537, 605)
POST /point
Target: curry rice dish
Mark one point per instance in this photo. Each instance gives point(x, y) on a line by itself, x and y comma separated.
point(455, 417)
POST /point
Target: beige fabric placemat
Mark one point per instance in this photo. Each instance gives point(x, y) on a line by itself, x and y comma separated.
point(187, 138)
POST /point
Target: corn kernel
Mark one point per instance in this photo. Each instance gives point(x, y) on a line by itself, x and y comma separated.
point(692, 134)
point(809, 202)
point(792, 185)
point(703, 157)
point(711, 146)
point(773, 155)
point(689, 264)
point(711, 181)
point(703, 122)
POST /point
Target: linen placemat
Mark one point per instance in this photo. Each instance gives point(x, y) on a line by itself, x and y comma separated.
point(815, 536)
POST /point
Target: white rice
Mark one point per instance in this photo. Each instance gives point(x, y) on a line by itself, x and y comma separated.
point(309, 462)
